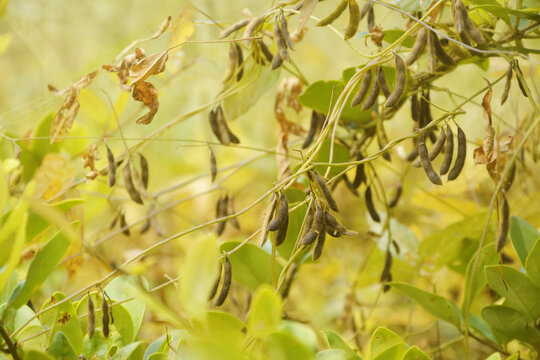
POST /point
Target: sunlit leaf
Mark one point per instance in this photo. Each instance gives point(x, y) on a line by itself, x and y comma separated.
point(523, 237)
point(182, 27)
point(265, 312)
point(532, 265)
point(511, 323)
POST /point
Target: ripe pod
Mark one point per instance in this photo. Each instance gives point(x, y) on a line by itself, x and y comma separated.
point(251, 26)
point(105, 319)
point(221, 211)
point(123, 225)
point(382, 82)
point(401, 80)
point(234, 27)
point(112, 167)
point(334, 14)
point(418, 48)
point(283, 211)
point(327, 194)
point(396, 197)
point(314, 127)
point(448, 151)
point(280, 41)
point(285, 30)
point(91, 318)
point(317, 251)
point(506, 91)
point(213, 165)
point(354, 19)
point(128, 182)
point(215, 287)
point(435, 150)
point(438, 49)
point(372, 98)
point(226, 286)
point(239, 62)
point(461, 154)
point(371, 206)
point(276, 61)
point(144, 170)
point(426, 164)
point(504, 224)
point(363, 89)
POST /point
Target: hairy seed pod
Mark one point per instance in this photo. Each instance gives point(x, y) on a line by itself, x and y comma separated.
point(215, 287)
point(354, 19)
point(281, 232)
point(382, 82)
point(363, 89)
point(91, 318)
point(144, 170)
point(360, 175)
point(280, 42)
point(438, 50)
point(509, 179)
point(371, 19)
point(239, 62)
point(334, 14)
point(367, 6)
point(226, 286)
point(212, 118)
point(234, 27)
point(435, 150)
point(448, 151)
point(327, 194)
point(105, 320)
point(386, 154)
point(123, 225)
point(318, 220)
point(264, 49)
point(267, 217)
point(426, 164)
point(371, 206)
point(396, 197)
point(415, 108)
point(112, 167)
point(459, 22)
point(518, 73)
point(226, 135)
point(291, 273)
point(309, 220)
point(221, 211)
point(333, 227)
point(213, 165)
point(461, 154)
point(309, 238)
point(418, 47)
point(504, 224)
point(251, 27)
point(314, 126)
point(401, 80)
point(233, 62)
point(372, 98)
point(317, 251)
point(282, 213)
point(506, 90)
point(412, 155)
point(465, 24)
point(128, 183)
point(386, 274)
point(285, 30)
point(276, 61)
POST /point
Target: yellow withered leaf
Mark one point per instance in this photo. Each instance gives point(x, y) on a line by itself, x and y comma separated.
point(182, 27)
point(151, 65)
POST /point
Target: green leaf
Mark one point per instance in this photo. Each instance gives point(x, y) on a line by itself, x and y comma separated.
point(255, 82)
point(63, 319)
point(318, 94)
point(265, 312)
point(251, 265)
point(302, 333)
point(488, 256)
point(15, 247)
point(511, 323)
point(117, 290)
point(436, 305)
point(382, 340)
point(159, 356)
point(519, 291)
point(133, 351)
point(223, 327)
point(282, 346)
point(41, 267)
point(392, 35)
point(97, 346)
point(332, 354)
point(482, 327)
point(37, 224)
point(341, 154)
point(336, 342)
point(414, 353)
point(198, 276)
point(523, 237)
point(4, 190)
point(412, 5)
point(37, 355)
point(61, 348)
point(532, 264)
point(455, 245)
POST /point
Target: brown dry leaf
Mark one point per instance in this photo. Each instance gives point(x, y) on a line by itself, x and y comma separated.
point(123, 68)
point(182, 27)
point(148, 94)
point(489, 132)
point(305, 13)
point(66, 115)
point(377, 35)
point(288, 92)
point(89, 161)
point(150, 65)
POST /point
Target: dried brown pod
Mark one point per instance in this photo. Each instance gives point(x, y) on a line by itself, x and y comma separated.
point(367, 6)
point(334, 14)
point(276, 61)
point(264, 49)
point(234, 27)
point(372, 97)
point(415, 108)
point(239, 62)
point(291, 273)
point(334, 228)
point(413, 154)
point(105, 319)
point(464, 25)
point(326, 192)
point(146, 226)
point(226, 136)
point(112, 167)
point(144, 170)
point(314, 128)
point(461, 155)
point(128, 183)
point(251, 27)
point(212, 118)
point(226, 286)
point(221, 211)
point(435, 150)
point(280, 41)
point(91, 317)
point(285, 30)
point(317, 251)
point(504, 223)
point(438, 50)
point(382, 82)
point(506, 90)
point(509, 179)
point(124, 225)
point(215, 287)
point(386, 274)
point(115, 219)
point(282, 213)
point(213, 165)
point(354, 19)
point(371, 19)
point(268, 217)
point(281, 232)
point(418, 47)
point(371, 206)
point(426, 164)
point(232, 64)
point(309, 238)
point(363, 89)
point(519, 76)
point(396, 197)
point(448, 151)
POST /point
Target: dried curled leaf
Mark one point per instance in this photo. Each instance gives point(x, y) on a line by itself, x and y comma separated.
point(151, 65)
point(148, 94)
